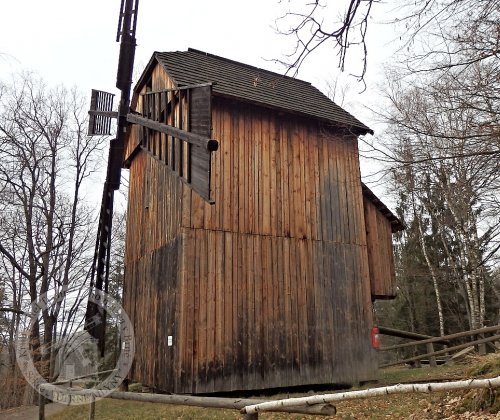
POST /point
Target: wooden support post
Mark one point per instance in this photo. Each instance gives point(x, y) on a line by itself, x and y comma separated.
point(481, 348)
point(92, 408)
point(417, 364)
point(124, 386)
point(494, 346)
point(447, 355)
point(253, 416)
point(432, 359)
point(41, 406)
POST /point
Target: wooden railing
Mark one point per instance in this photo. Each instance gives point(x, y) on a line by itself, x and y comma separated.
point(238, 404)
point(477, 338)
point(42, 400)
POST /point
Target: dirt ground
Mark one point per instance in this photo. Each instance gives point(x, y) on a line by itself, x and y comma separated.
point(30, 412)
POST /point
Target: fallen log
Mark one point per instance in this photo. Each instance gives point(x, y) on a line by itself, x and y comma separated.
point(215, 402)
point(373, 392)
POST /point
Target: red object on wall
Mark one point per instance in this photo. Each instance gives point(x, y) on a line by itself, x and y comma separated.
point(375, 338)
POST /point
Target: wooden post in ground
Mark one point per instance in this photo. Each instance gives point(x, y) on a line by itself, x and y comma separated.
point(432, 359)
point(253, 416)
point(124, 386)
point(92, 408)
point(416, 363)
point(481, 348)
point(41, 405)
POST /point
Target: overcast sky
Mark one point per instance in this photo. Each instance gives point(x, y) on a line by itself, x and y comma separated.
point(73, 43)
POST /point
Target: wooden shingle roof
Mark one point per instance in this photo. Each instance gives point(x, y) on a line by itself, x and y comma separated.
point(251, 84)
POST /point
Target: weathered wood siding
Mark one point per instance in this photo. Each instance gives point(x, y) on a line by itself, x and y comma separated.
point(261, 312)
point(280, 175)
point(268, 287)
point(380, 253)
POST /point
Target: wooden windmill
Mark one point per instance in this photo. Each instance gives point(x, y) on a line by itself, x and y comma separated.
point(254, 267)
point(187, 153)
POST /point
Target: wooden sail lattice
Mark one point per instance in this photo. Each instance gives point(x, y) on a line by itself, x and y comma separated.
point(174, 127)
point(100, 113)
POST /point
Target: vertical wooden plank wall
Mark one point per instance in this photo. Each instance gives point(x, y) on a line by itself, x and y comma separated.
point(380, 253)
point(269, 287)
point(154, 248)
point(280, 282)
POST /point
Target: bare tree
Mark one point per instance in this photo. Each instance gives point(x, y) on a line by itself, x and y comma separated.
point(311, 29)
point(45, 227)
point(450, 168)
point(442, 35)
point(437, 34)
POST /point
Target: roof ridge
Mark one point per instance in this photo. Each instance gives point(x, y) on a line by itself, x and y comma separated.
point(239, 63)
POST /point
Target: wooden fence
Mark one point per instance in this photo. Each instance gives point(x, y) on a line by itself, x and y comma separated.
point(477, 338)
point(237, 404)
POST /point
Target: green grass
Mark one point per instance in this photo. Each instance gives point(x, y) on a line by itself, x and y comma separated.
point(108, 409)
point(401, 374)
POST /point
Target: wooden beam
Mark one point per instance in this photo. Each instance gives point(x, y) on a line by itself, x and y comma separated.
point(110, 114)
point(214, 402)
point(195, 139)
point(406, 334)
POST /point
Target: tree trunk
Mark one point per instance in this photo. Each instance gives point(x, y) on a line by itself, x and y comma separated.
point(433, 273)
